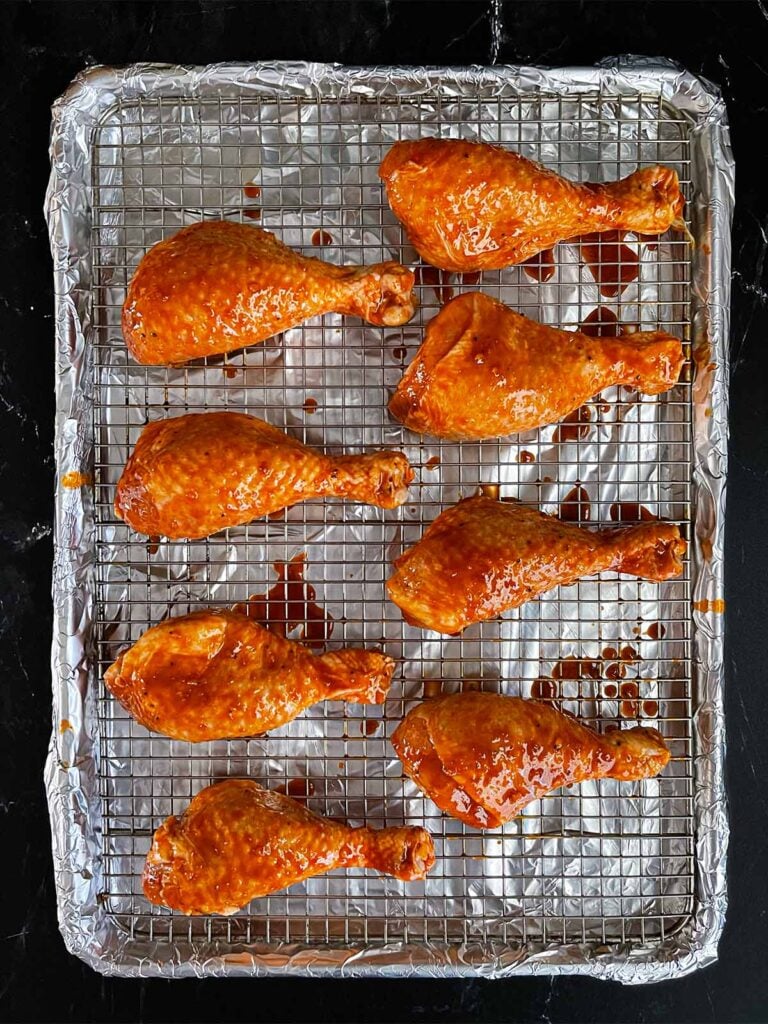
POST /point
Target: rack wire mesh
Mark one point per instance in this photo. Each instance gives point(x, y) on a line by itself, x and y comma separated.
point(598, 864)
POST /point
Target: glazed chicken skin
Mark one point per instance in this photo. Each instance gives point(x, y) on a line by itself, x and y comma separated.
point(485, 371)
point(237, 841)
point(218, 286)
point(196, 474)
point(483, 757)
point(482, 557)
point(474, 206)
point(219, 674)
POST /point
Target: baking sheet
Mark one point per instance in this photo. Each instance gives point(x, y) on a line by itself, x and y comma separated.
point(616, 881)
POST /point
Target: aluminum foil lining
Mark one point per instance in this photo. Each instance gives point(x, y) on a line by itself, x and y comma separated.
point(622, 882)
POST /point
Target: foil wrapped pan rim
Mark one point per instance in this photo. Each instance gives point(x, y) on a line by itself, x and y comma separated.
point(72, 766)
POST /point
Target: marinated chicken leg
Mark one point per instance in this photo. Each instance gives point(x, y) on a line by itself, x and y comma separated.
point(482, 757)
point(483, 556)
point(485, 371)
point(237, 841)
point(196, 474)
point(473, 206)
point(217, 286)
point(218, 674)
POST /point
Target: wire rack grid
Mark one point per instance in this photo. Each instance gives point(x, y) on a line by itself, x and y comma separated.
point(601, 864)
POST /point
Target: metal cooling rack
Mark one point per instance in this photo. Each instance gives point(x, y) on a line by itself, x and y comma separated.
point(600, 864)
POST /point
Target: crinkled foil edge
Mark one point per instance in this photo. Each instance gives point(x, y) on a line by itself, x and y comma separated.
point(72, 766)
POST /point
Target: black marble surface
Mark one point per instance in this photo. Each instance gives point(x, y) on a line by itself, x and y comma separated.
point(42, 46)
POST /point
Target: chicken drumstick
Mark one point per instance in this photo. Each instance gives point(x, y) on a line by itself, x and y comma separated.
point(237, 841)
point(473, 206)
point(217, 286)
point(483, 556)
point(485, 371)
point(218, 674)
point(196, 474)
point(481, 757)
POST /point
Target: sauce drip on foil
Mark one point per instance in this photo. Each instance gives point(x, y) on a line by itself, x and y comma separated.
point(490, 491)
point(717, 606)
point(630, 512)
point(289, 603)
point(629, 691)
point(438, 280)
point(601, 323)
point(540, 267)
point(576, 668)
point(575, 506)
point(574, 427)
point(611, 669)
point(298, 789)
point(612, 264)
point(544, 689)
point(75, 479)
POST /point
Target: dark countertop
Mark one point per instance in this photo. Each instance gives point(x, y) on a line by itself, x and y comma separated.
point(42, 46)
